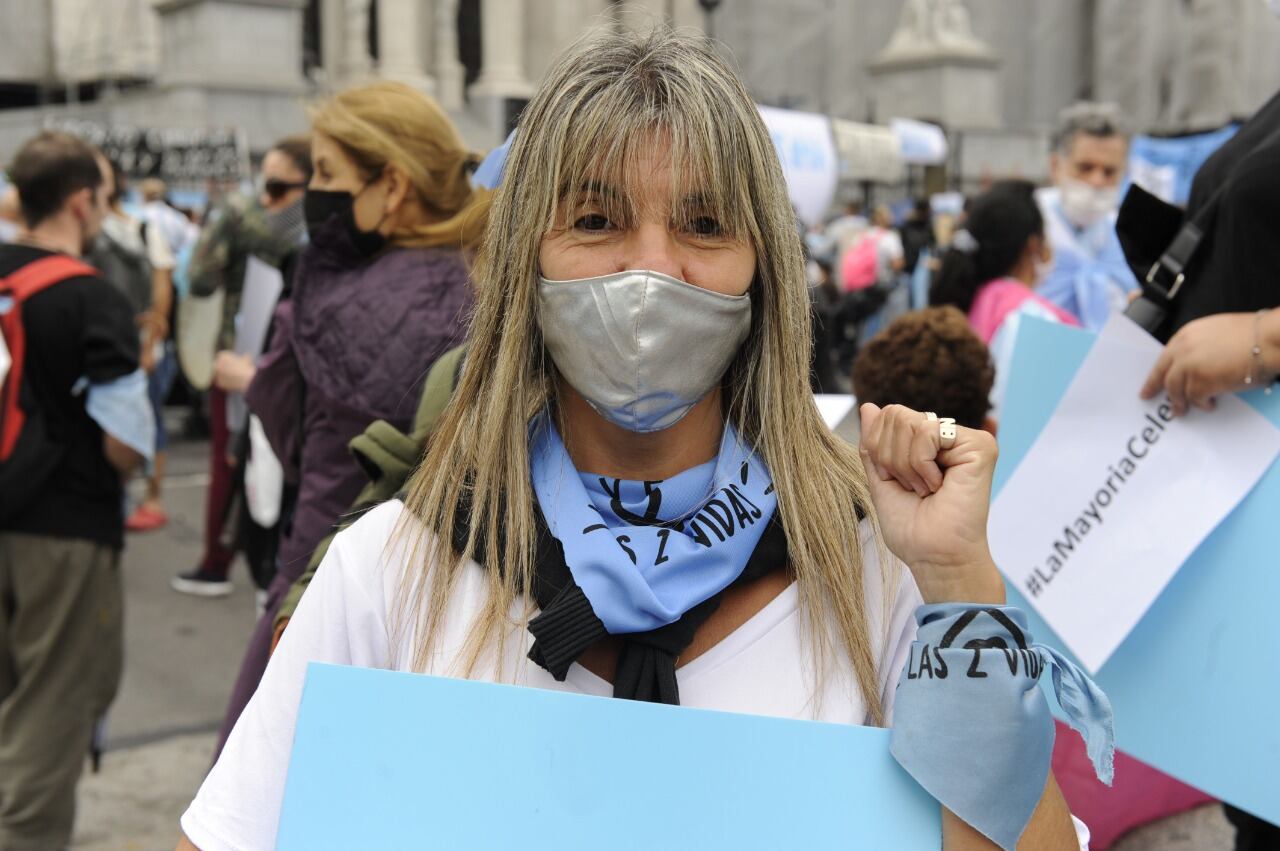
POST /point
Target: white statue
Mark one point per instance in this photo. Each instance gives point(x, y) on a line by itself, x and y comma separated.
point(933, 27)
point(952, 28)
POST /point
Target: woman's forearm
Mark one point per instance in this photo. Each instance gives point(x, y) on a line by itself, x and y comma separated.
point(1050, 828)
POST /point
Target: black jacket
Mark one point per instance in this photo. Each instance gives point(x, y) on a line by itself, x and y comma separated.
point(1237, 267)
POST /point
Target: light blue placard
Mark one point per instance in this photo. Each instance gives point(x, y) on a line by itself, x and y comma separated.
point(1196, 685)
point(393, 760)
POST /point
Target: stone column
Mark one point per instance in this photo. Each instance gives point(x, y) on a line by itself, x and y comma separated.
point(450, 74)
point(357, 64)
point(253, 44)
point(401, 25)
point(502, 48)
point(1131, 67)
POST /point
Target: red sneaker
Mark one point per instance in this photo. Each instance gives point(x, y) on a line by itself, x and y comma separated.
point(145, 519)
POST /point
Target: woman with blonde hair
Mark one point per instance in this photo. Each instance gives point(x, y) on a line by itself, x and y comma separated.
point(632, 492)
point(381, 291)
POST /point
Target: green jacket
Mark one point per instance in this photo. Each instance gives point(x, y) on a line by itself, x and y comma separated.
point(239, 231)
point(388, 456)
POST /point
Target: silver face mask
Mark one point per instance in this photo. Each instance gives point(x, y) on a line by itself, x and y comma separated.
point(641, 347)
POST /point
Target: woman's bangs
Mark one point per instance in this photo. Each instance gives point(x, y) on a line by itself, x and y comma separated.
point(608, 160)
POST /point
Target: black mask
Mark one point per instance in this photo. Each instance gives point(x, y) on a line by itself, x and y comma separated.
point(321, 205)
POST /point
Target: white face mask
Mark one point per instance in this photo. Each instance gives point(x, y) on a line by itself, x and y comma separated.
point(1086, 205)
point(1043, 269)
point(641, 347)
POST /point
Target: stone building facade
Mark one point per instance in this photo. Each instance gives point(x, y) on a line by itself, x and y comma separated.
point(1173, 65)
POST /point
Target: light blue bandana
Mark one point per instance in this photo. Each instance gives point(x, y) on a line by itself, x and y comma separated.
point(971, 725)
point(644, 553)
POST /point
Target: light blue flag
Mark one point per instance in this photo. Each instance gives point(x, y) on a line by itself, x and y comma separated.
point(1196, 685)
point(393, 760)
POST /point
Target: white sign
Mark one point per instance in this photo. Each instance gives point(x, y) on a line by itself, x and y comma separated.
point(1116, 493)
point(920, 142)
point(263, 284)
point(834, 407)
point(868, 152)
point(808, 155)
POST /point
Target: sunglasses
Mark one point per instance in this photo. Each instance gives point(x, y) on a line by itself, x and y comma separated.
point(277, 189)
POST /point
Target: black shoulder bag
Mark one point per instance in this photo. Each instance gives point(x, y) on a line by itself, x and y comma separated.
point(1149, 227)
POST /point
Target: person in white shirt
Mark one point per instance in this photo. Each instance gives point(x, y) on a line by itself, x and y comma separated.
point(157, 358)
point(176, 228)
point(1088, 276)
point(638, 363)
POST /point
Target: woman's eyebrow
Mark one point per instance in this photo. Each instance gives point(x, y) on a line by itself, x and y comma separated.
point(697, 200)
point(597, 187)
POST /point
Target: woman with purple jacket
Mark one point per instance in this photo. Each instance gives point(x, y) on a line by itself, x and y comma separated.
point(378, 295)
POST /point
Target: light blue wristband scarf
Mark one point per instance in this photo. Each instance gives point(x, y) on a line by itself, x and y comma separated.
point(971, 725)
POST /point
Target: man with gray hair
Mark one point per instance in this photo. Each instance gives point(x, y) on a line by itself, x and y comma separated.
point(1088, 277)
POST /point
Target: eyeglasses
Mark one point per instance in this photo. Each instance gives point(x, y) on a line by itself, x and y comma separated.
point(277, 189)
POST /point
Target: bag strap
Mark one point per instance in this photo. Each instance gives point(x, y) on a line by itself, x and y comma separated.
point(41, 274)
point(1167, 275)
point(25, 282)
point(437, 391)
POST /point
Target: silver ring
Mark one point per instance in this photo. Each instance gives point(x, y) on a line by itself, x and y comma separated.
point(947, 432)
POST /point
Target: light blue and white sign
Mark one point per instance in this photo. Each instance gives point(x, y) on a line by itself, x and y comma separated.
point(1196, 685)
point(920, 142)
point(394, 760)
point(808, 154)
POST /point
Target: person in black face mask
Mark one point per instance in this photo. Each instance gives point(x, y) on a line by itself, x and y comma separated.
point(380, 292)
point(322, 205)
point(270, 228)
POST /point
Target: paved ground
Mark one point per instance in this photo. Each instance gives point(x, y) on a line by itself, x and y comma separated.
point(181, 656)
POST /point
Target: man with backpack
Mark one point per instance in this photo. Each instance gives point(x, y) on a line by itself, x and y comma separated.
point(74, 422)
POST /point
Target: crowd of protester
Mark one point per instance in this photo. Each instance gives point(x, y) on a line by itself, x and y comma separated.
point(385, 243)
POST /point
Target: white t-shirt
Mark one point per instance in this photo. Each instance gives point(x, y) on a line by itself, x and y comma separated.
point(764, 667)
point(171, 224)
point(889, 250)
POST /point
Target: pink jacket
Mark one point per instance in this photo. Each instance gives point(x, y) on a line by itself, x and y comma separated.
point(998, 299)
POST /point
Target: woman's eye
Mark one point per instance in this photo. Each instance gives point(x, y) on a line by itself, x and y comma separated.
point(592, 222)
point(705, 226)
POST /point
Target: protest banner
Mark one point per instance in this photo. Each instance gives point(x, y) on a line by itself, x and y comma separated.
point(178, 155)
point(808, 155)
point(1096, 519)
point(384, 759)
point(1196, 684)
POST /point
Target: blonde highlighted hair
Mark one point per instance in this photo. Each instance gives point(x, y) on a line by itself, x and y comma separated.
point(607, 99)
point(389, 122)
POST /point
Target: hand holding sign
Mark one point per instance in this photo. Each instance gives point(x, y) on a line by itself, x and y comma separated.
point(1116, 494)
point(1214, 355)
point(933, 502)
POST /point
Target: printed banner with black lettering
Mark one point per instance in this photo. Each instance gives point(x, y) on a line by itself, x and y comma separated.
point(175, 154)
point(1116, 494)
